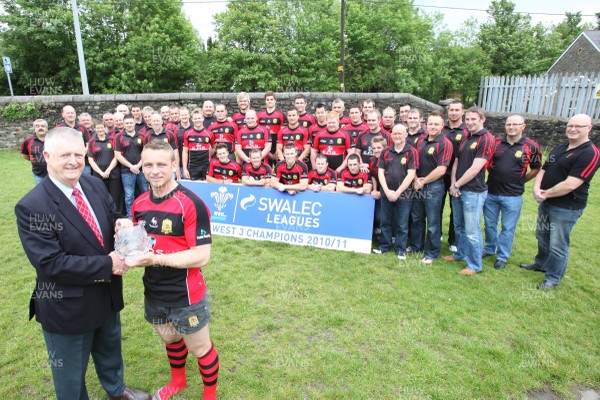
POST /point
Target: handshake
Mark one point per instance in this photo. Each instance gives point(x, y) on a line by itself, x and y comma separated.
point(132, 247)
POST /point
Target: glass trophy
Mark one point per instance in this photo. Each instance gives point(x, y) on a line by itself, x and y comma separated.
point(132, 242)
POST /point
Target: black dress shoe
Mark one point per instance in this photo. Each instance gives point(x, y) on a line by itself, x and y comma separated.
point(546, 285)
point(499, 264)
point(133, 394)
point(531, 267)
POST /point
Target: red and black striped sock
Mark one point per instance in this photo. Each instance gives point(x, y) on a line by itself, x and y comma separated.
point(209, 369)
point(177, 353)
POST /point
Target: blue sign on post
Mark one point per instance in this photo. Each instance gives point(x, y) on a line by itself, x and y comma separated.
point(7, 65)
point(337, 221)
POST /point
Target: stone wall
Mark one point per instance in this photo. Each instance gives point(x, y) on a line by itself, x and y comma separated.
point(548, 131)
point(12, 133)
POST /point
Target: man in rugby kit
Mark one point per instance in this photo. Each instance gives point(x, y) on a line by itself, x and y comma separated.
point(378, 144)
point(198, 145)
point(396, 170)
point(208, 113)
point(69, 117)
point(85, 119)
point(456, 131)
point(164, 113)
point(338, 106)
point(136, 112)
point(469, 191)
point(147, 113)
point(320, 121)
point(252, 136)
point(352, 179)
point(295, 134)
point(368, 105)
point(363, 141)
point(158, 132)
point(403, 110)
point(184, 124)
point(108, 120)
point(256, 172)
point(435, 153)
point(414, 128)
point(356, 125)
point(272, 119)
point(305, 119)
point(224, 130)
point(32, 150)
point(101, 154)
point(222, 169)
point(333, 142)
point(171, 125)
point(291, 175)
point(128, 151)
point(175, 296)
point(388, 120)
point(507, 173)
point(322, 178)
point(239, 118)
point(119, 118)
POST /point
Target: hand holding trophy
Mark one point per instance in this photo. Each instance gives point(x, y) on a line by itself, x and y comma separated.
point(131, 241)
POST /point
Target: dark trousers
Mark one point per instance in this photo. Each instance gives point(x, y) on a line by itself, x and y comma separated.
point(451, 234)
point(68, 356)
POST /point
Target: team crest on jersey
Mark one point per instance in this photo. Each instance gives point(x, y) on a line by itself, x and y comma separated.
point(403, 161)
point(258, 136)
point(297, 137)
point(167, 226)
point(153, 223)
point(339, 141)
point(304, 124)
point(458, 137)
point(294, 177)
point(473, 145)
point(360, 181)
point(226, 131)
point(230, 173)
point(109, 145)
point(430, 151)
point(139, 141)
point(518, 154)
point(193, 321)
point(275, 120)
point(206, 139)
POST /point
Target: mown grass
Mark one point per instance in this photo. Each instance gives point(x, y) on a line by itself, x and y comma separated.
point(293, 322)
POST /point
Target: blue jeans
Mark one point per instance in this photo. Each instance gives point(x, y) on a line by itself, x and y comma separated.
point(553, 231)
point(129, 182)
point(377, 214)
point(510, 207)
point(37, 179)
point(430, 204)
point(467, 216)
point(87, 170)
point(416, 222)
point(394, 221)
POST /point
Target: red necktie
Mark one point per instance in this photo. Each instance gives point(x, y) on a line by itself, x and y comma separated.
point(85, 212)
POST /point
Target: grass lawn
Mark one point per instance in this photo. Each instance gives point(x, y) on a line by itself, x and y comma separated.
point(302, 323)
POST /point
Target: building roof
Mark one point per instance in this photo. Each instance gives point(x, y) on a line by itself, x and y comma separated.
point(592, 36)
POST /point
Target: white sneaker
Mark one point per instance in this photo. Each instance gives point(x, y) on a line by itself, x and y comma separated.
point(427, 261)
point(453, 248)
point(376, 251)
point(401, 256)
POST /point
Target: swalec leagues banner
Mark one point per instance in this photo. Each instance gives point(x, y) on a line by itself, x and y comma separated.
point(337, 221)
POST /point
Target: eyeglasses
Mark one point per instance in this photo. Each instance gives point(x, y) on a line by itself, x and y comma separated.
point(511, 125)
point(577, 126)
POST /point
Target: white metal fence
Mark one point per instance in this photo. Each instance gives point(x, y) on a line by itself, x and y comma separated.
point(552, 95)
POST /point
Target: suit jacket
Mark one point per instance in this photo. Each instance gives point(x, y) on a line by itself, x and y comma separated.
point(75, 290)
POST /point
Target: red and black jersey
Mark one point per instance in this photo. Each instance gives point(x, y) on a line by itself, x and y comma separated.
point(455, 135)
point(262, 172)
point(478, 145)
point(373, 170)
point(176, 222)
point(33, 147)
point(334, 146)
point(143, 131)
point(165, 136)
point(239, 119)
point(344, 120)
point(85, 133)
point(171, 127)
point(397, 163)
point(231, 170)
point(306, 120)
point(198, 144)
point(315, 129)
point(580, 162)
point(329, 176)
point(508, 166)
point(299, 136)
point(131, 149)
point(224, 132)
point(103, 152)
point(208, 121)
point(353, 181)
point(386, 129)
point(139, 125)
point(273, 121)
point(432, 154)
point(414, 138)
point(291, 175)
point(363, 143)
point(253, 138)
point(355, 130)
point(179, 134)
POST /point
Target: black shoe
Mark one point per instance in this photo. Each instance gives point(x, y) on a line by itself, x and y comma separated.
point(546, 285)
point(487, 255)
point(531, 267)
point(499, 264)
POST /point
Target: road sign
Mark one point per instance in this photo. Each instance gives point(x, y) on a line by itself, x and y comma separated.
point(7, 65)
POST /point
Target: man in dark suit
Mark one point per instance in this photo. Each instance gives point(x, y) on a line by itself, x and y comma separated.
point(66, 228)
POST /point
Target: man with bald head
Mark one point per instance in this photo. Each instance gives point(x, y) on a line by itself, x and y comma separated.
point(561, 190)
point(514, 154)
point(69, 120)
point(208, 112)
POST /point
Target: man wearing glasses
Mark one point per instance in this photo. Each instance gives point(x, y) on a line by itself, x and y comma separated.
point(561, 190)
point(507, 174)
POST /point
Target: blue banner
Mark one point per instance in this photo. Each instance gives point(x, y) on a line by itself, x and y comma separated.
point(337, 221)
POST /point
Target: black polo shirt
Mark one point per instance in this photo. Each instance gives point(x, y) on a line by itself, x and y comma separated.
point(33, 147)
point(580, 162)
point(477, 145)
point(103, 152)
point(414, 138)
point(131, 149)
point(396, 164)
point(164, 136)
point(432, 154)
point(508, 166)
point(455, 135)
